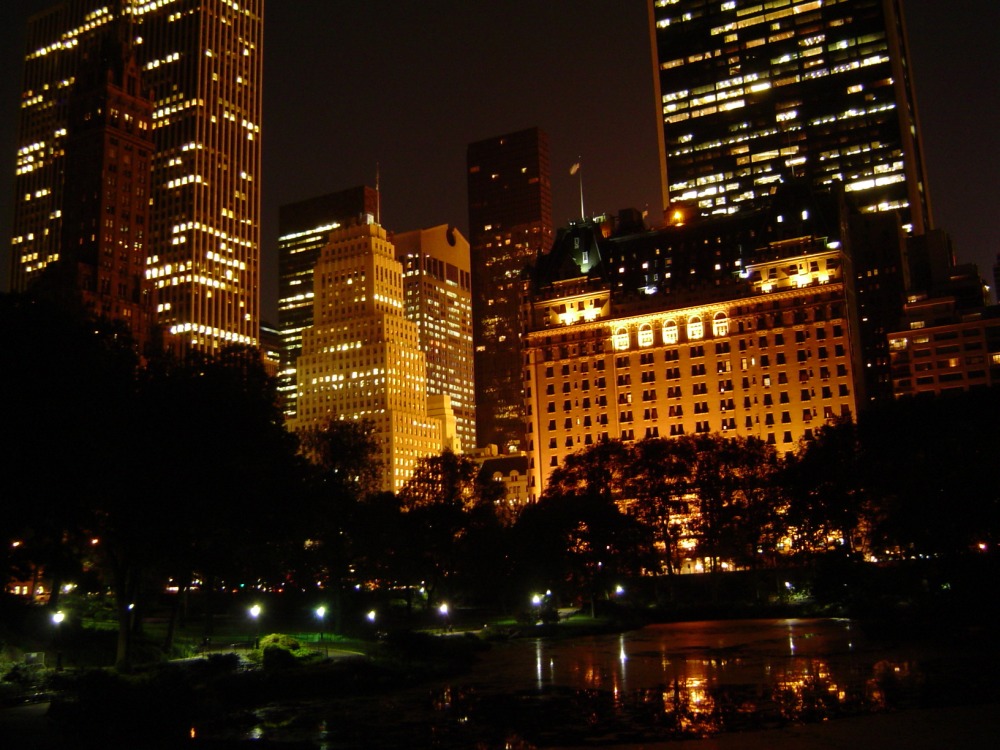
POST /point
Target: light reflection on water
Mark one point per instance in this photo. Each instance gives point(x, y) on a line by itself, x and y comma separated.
point(662, 682)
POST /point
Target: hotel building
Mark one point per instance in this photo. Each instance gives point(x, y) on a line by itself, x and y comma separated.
point(361, 357)
point(510, 222)
point(688, 330)
point(754, 93)
point(202, 60)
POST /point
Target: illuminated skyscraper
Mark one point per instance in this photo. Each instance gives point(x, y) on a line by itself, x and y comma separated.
point(510, 222)
point(437, 283)
point(361, 357)
point(755, 93)
point(304, 228)
point(202, 59)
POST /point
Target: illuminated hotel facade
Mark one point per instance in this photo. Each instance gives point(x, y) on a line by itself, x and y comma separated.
point(510, 222)
point(437, 286)
point(754, 93)
point(687, 330)
point(361, 357)
point(202, 59)
point(303, 229)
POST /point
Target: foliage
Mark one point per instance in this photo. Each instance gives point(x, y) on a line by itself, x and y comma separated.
point(183, 469)
point(344, 456)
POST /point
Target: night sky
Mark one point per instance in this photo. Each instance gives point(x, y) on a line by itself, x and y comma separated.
point(406, 85)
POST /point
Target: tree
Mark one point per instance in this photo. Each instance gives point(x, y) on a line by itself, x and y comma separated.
point(200, 461)
point(733, 479)
point(660, 485)
point(824, 484)
point(929, 465)
point(344, 454)
point(453, 525)
point(577, 538)
point(168, 469)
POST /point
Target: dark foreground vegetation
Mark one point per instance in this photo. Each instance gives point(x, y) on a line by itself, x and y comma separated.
point(155, 499)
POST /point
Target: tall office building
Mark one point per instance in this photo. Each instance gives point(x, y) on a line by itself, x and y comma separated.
point(202, 60)
point(510, 222)
point(437, 285)
point(361, 357)
point(755, 93)
point(303, 229)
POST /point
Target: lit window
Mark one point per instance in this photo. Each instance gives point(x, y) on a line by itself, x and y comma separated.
point(696, 329)
point(645, 335)
point(670, 332)
point(720, 325)
point(620, 339)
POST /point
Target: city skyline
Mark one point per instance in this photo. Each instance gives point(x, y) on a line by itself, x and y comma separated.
point(591, 90)
point(197, 220)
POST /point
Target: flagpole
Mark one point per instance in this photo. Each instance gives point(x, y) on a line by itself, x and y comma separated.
point(577, 169)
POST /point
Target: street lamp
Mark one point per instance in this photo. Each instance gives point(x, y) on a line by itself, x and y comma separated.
point(443, 609)
point(371, 616)
point(254, 614)
point(320, 614)
point(57, 620)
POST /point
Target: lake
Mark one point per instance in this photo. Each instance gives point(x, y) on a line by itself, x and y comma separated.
point(664, 682)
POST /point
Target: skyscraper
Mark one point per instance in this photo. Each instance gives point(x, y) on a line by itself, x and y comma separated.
point(303, 229)
point(361, 357)
point(755, 93)
point(437, 285)
point(109, 147)
point(510, 222)
point(202, 59)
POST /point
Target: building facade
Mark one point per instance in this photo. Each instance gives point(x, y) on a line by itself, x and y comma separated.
point(685, 330)
point(510, 222)
point(945, 349)
point(109, 148)
point(203, 62)
point(303, 229)
point(437, 286)
point(755, 93)
point(361, 357)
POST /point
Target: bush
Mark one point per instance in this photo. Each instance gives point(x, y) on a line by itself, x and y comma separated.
point(275, 657)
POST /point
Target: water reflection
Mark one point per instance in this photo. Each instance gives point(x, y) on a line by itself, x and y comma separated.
point(663, 682)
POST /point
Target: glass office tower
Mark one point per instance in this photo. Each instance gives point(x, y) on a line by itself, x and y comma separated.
point(757, 93)
point(510, 222)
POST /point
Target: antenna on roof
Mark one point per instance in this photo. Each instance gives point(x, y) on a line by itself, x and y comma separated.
point(578, 170)
point(378, 198)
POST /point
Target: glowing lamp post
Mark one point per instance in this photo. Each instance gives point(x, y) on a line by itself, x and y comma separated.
point(443, 609)
point(57, 620)
point(320, 615)
point(254, 616)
